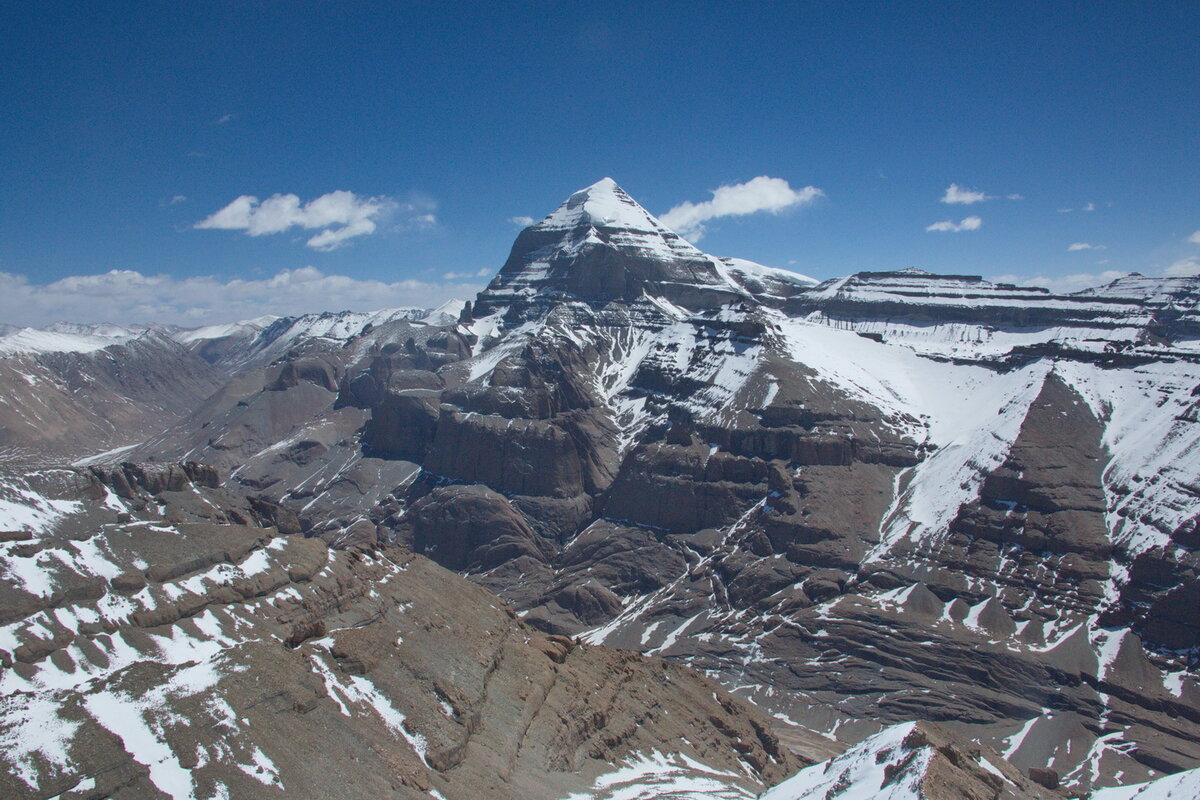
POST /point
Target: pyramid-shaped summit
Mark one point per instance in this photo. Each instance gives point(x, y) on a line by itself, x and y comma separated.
point(604, 204)
point(600, 246)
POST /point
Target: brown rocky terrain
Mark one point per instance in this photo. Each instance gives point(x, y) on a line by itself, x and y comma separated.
point(177, 647)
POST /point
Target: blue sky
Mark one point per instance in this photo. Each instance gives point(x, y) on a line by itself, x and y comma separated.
point(126, 124)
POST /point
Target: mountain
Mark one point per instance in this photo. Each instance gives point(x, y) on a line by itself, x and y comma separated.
point(888, 498)
point(601, 245)
point(69, 391)
point(262, 340)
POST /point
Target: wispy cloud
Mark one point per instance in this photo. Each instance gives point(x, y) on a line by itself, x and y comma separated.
point(177, 199)
point(1184, 267)
point(1075, 246)
point(761, 194)
point(950, 226)
point(339, 215)
point(524, 222)
point(1086, 207)
point(465, 276)
point(129, 296)
point(1194, 238)
point(960, 195)
point(224, 118)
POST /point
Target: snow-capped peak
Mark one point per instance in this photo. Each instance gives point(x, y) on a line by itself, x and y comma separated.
point(604, 204)
point(600, 245)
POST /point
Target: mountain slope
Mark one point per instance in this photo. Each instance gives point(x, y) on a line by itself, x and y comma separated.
point(161, 638)
point(64, 395)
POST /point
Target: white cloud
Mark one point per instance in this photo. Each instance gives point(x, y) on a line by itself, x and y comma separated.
point(956, 194)
point(1184, 268)
point(1090, 207)
point(1194, 238)
point(960, 195)
point(462, 276)
point(949, 226)
point(524, 222)
point(221, 120)
point(1074, 246)
point(771, 195)
point(1066, 283)
point(177, 199)
point(128, 296)
point(331, 238)
point(341, 214)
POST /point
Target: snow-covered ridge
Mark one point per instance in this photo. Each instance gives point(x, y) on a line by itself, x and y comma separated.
point(761, 271)
point(64, 337)
point(243, 327)
point(31, 341)
point(1128, 298)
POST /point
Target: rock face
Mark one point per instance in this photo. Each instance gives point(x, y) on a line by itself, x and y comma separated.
point(888, 497)
point(176, 652)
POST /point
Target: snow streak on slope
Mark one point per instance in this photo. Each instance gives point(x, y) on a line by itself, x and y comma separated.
point(655, 776)
point(879, 768)
point(23, 508)
point(1180, 786)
